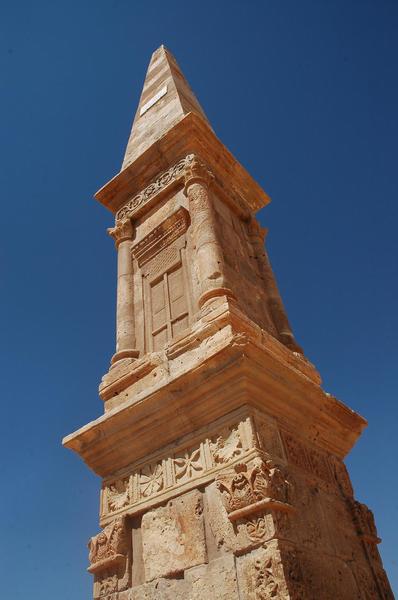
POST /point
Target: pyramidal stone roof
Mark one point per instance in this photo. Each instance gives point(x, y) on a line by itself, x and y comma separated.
point(166, 99)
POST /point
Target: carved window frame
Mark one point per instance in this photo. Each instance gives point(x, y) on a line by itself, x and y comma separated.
point(159, 254)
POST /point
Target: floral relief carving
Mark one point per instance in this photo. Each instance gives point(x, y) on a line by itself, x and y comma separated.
point(256, 528)
point(109, 547)
point(226, 446)
point(151, 480)
point(118, 494)
point(175, 172)
point(144, 482)
point(188, 464)
point(108, 585)
point(196, 171)
point(245, 486)
point(266, 584)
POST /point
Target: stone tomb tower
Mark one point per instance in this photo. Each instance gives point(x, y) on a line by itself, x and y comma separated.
point(219, 452)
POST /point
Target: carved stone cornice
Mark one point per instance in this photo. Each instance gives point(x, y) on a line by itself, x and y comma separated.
point(175, 172)
point(191, 135)
point(249, 369)
point(122, 231)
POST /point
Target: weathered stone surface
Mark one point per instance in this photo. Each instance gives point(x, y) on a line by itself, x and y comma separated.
point(161, 589)
point(216, 580)
point(261, 576)
point(173, 537)
point(220, 453)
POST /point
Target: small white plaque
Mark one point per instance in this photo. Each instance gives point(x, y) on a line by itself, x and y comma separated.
point(153, 100)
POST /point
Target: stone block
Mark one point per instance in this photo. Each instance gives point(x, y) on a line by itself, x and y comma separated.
point(161, 589)
point(214, 580)
point(173, 537)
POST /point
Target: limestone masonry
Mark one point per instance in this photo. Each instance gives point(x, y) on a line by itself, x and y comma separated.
point(221, 457)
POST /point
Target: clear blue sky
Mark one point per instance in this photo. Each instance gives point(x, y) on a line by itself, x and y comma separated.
point(305, 94)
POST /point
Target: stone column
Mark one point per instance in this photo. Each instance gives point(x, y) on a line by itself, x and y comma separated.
point(122, 233)
point(274, 301)
point(209, 254)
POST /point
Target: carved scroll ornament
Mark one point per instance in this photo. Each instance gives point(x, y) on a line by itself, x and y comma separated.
point(172, 174)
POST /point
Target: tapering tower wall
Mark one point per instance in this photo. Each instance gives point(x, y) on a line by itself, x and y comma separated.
point(221, 457)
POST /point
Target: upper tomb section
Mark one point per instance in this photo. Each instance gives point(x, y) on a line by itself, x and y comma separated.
point(165, 99)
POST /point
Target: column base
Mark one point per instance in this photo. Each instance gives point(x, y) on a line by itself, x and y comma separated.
point(215, 293)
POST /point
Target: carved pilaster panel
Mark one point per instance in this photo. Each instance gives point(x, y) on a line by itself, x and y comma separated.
point(314, 463)
point(250, 507)
point(110, 559)
point(261, 574)
point(246, 486)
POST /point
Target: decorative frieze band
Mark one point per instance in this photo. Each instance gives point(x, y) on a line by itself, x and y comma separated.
point(175, 173)
point(172, 174)
point(149, 483)
point(234, 441)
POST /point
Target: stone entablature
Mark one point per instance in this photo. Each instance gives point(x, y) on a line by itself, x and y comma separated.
point(190, 136)
point(223, 366)
point(231, 443)
point(145, 199)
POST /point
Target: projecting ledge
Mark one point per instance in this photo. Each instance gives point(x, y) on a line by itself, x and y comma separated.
point(235, 369)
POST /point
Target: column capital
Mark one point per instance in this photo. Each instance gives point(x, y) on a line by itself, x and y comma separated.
point(196, 171)
point(122, 231)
